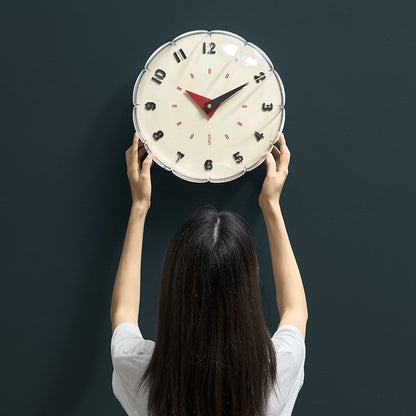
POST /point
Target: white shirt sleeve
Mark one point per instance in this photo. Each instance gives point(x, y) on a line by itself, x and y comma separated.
point(130, 355)
point(290, 356)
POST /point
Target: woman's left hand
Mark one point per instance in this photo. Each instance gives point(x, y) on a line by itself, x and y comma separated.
point(139, 176)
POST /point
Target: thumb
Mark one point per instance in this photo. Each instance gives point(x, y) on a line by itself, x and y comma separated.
point(135, 146)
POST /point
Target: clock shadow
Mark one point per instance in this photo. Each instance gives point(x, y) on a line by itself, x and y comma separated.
point(240, 195)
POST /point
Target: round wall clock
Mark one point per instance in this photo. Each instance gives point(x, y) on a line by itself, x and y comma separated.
point(208, 106)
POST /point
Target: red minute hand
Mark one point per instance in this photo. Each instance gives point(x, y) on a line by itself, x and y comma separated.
point(200, 100)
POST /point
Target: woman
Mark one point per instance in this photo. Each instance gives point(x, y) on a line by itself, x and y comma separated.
point(213, 354)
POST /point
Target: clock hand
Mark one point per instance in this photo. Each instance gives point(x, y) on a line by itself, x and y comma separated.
point(212, 105)
point(199, 100)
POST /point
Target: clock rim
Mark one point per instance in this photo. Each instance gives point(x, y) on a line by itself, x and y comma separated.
point(246, 43)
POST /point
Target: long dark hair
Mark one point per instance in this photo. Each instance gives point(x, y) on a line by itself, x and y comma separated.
point(213, 354)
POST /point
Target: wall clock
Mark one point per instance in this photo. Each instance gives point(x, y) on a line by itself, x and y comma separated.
point(208, 106)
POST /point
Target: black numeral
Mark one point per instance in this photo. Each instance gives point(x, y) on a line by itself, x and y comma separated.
point(208, 48)
point(158, 134)
point(259, 77)
point(268, 107)
point(208, 164)
point(258, 135)
point(159, 76)
point(150, 106)
point(179, 56)
point(180, 156)
point(237, 157)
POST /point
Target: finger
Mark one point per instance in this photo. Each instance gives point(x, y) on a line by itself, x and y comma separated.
point(270, 164)
point(147, 164)
point(140, 153)
point(135, 143)
point(276, 152)
point(281, 141)
point(134, 160)
point(284, 153)
point(135, 139)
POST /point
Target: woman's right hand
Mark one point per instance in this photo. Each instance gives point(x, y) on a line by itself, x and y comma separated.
point(277, 171)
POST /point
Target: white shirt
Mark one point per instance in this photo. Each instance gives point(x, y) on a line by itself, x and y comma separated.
point(131, 353)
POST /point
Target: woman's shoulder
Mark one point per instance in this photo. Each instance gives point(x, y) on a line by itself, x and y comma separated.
point(289, 338)
point(290, 360)
point(128, 341)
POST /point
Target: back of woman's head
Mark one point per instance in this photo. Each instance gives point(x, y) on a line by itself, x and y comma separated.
point(213, 352)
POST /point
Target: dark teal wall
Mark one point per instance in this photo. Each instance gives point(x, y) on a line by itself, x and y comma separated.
point(68, 70)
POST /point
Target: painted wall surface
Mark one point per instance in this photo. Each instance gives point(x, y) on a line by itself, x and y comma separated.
point(67, 74)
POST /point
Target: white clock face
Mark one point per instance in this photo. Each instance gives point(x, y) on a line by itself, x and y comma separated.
point(208, 106)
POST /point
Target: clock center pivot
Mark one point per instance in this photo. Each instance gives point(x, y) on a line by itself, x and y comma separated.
point(200, 100)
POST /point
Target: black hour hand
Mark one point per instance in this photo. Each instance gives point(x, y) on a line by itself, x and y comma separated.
point(213, 104)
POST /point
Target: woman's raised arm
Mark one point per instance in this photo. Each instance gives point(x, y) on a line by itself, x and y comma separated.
point(125, 301)
point(290, 294)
